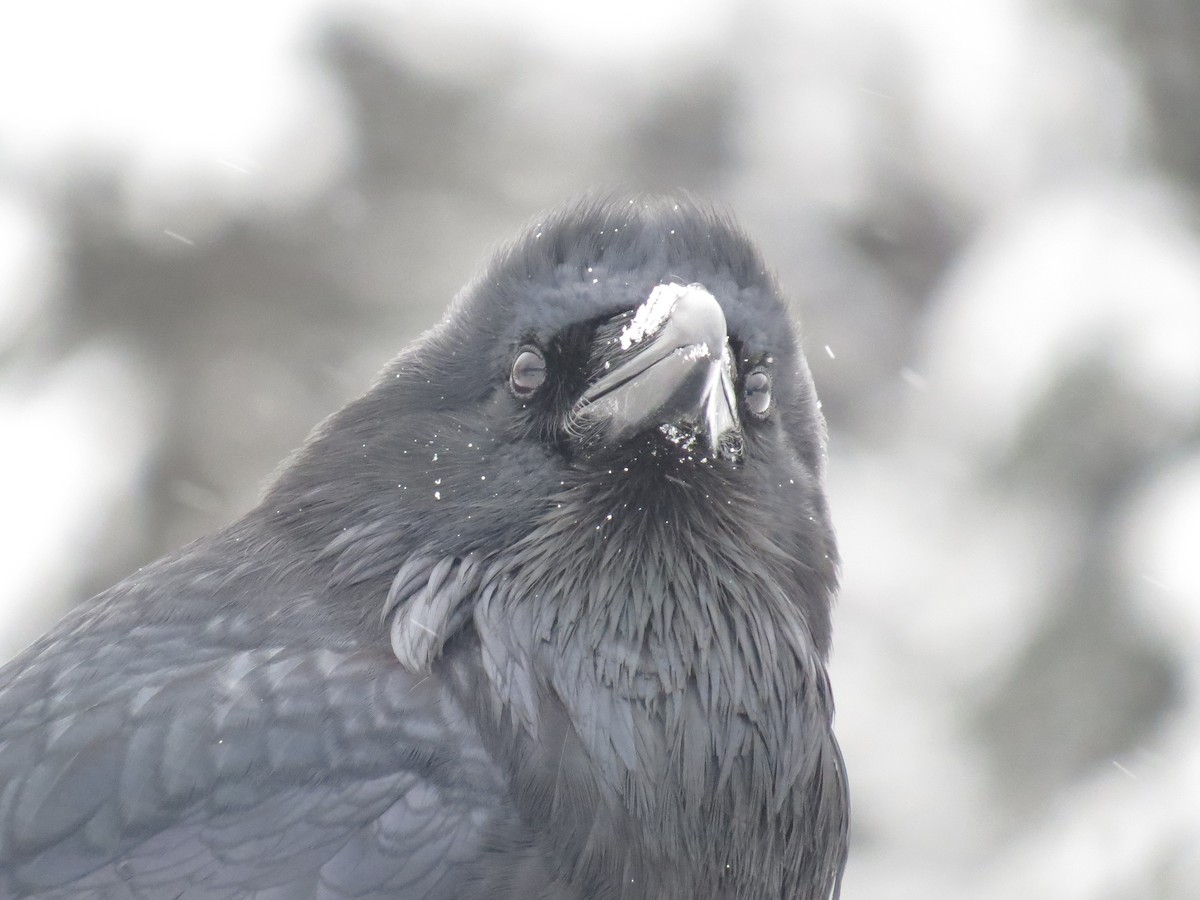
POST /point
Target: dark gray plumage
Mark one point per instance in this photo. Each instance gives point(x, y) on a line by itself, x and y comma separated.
point(551, 625)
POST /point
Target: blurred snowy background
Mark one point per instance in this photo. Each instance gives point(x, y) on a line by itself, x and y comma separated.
point(218, 220)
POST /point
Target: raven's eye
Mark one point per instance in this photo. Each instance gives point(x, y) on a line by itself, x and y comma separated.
point(757, 389)
point(528, 372)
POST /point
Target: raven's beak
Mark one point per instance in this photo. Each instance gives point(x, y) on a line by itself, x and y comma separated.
point(671, 369)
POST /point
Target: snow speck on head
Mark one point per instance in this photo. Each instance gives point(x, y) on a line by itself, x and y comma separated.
point(695, 352)
point(652, 314)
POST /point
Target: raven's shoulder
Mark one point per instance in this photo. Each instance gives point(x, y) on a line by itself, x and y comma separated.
point(169, 755)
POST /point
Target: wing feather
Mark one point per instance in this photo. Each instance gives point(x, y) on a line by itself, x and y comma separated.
point(219, 773)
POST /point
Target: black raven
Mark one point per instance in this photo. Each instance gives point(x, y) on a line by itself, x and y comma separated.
point(544, 614)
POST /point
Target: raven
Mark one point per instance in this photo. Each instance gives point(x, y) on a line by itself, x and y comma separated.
point(544, 614)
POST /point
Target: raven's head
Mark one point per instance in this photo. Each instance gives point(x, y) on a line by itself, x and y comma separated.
point(630, 360)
